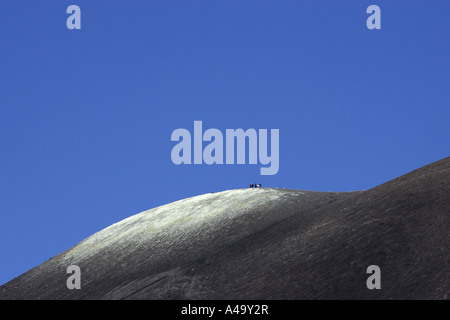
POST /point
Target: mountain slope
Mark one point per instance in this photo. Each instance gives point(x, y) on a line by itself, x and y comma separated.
point(267, 244)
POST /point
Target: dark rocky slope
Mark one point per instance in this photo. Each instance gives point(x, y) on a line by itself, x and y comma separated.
point(267, 244)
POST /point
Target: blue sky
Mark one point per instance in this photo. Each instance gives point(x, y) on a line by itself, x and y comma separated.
point(86, 115)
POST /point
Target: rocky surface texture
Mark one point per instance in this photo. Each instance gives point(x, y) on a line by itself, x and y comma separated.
point(267, 244)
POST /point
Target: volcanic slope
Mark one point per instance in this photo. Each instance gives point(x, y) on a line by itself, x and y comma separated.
point(267, 244)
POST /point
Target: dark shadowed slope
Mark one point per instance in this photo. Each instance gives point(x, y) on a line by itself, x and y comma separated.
point(267, 244)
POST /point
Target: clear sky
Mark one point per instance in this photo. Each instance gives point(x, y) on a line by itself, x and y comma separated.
point(86, 116)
